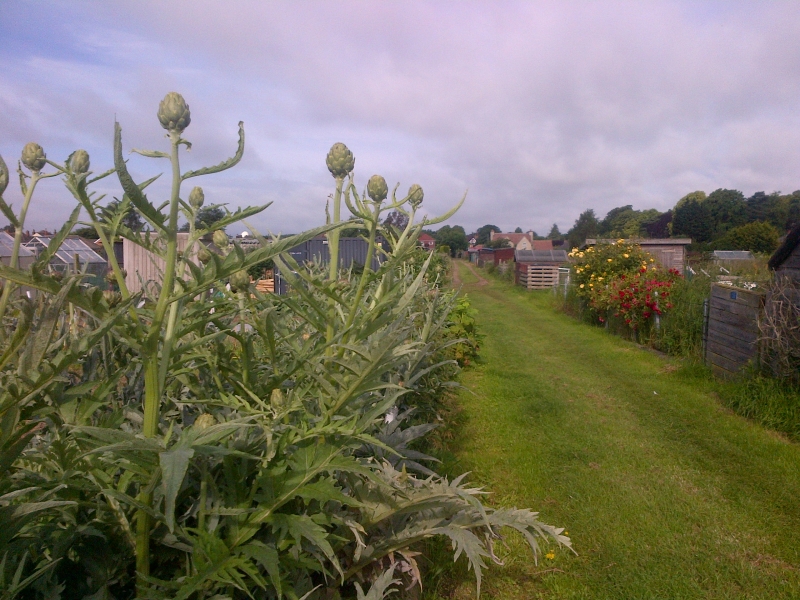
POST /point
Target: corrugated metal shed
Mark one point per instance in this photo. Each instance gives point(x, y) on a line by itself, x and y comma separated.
point(351, 250)
point(542, 256)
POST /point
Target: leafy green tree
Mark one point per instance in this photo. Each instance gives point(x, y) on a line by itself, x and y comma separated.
point(485, 232)
point(454, 237)
point(499, 243)
point(758, 236)
point(89, 233)
point(586, 226)
point(554, 234)
point(625, 222)
point(690, 218)
point(206, 217)
point(726, 210)
point(659, 227)
point(518, 230)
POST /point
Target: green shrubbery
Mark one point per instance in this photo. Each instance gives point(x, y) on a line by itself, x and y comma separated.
point(206, 445)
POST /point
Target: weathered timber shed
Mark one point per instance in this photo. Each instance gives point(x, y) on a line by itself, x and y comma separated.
point(669, 252)
point(538, 269)
point(786, 259)
point(731, 337)
point(25, 257)
point(146, 269)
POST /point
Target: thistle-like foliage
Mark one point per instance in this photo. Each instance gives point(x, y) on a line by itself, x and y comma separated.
point(210, 441)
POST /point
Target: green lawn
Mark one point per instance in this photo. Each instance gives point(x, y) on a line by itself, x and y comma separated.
point(665, 493)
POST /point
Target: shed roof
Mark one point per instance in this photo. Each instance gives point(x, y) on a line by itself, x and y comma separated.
point(783, 252)
point(644, 241)
point(533, 256)
point(7, 246)
point(69, 248)
point(733, 255)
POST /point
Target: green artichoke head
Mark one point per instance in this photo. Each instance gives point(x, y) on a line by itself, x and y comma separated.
point(240, 281)
point(196, 197)
point(220, 239)
point(204, 255)
point(79, 163)
point(377, 188)
point(340, 160)
point(173, 112)
point(3, 176)
point(415, 195)
point(33, 157)
point(112, 298)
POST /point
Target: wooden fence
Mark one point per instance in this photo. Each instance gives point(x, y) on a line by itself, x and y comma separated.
point(537, 277)
point(731, 338)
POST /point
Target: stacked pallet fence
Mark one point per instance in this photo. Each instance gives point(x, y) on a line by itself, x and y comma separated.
point(537, 277)
point(731, 339)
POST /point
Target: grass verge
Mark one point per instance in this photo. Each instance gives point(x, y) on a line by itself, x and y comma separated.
point(665, 492)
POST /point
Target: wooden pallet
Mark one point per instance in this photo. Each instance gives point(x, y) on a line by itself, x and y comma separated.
point(538, 277)
point(266, 286)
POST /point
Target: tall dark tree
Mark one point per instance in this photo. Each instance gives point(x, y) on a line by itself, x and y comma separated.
point(554, 234)
point(397, 220)
point(586, 226)
point(484, 233)
point(206, 217)
point(518, 230)
point(659, 227)
point(691, 219)
point(453, 237)
point(726, 210)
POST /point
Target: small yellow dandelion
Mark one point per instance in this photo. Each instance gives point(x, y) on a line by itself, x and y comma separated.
point(550, 555)
point(566, 533)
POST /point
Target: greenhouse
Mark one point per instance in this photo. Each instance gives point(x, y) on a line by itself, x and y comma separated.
point(74, 255)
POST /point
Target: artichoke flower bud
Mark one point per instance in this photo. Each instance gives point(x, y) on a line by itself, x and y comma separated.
point(112, 298)
point(196, 197)
point(220, 239)
point(204, 421)
point(33, 157)
point(173, 112)
point(415, 195)
point(377, 188)
point(203, 255)
point(277, 399)
point(79, 162)
point(3, 176)
point(340, 160)
point(240, 281)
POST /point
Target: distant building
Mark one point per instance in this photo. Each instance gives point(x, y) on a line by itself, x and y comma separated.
point(427, 241)
point(669, 252)
point(519, 241)
point(74, 255)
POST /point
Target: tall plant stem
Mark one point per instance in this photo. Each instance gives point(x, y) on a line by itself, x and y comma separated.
point(362, 283)
point(17, 243)
point(333, 249)
point(153, 384)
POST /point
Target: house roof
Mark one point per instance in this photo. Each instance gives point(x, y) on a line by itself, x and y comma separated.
point(542, 244)
point(424, 237)
point(791, 242)
point(514, 238)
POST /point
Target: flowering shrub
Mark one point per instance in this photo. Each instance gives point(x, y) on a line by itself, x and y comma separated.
point(623, 280)
point(635, 298)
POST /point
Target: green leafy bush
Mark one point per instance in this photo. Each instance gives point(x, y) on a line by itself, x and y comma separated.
point(757, 236)
point(200, 442)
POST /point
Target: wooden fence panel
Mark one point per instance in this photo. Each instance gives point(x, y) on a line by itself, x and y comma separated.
point(731, 339)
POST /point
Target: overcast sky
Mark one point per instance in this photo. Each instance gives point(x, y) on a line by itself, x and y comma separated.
point(539, 110)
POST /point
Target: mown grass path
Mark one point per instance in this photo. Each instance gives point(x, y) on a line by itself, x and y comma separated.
point(664, 492)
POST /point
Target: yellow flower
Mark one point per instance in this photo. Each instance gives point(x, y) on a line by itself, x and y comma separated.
point(620, 241)
point(591, 285)
point(581, 285)
point(550, 555)
point(566, 532)
point(652, 260)
point(599, 279)
point(626, 255)
point(610, 260)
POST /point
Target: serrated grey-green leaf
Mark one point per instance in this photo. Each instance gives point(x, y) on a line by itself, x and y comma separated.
point(377, 188)
point(33, 157)
point(173, 113)
point(79, 163)
point(340, 160)
point(3, 176)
